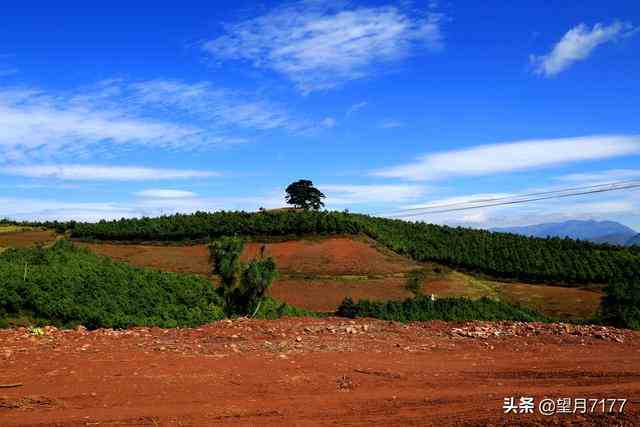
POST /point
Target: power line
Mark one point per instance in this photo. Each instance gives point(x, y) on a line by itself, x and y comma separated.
point(495, 199)
point(519, 199)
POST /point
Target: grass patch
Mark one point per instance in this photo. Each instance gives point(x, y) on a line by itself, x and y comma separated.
point(13, 228)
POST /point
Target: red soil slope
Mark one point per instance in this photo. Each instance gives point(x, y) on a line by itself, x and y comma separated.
point(24, 239)
point(314, 372)
point(330, 256)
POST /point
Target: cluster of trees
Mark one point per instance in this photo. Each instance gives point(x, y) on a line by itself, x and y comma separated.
point(422, 308)
point(621, 305)
point(500, 255)
point(66, 286)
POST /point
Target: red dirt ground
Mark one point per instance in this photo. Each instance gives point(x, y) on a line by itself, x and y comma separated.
point(314, 372)
point(327, 294)
point(330, 256)
point(315, 274)
point(23, 239)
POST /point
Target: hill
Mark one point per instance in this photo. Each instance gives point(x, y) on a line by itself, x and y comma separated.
point(499, 255)
point(596, 231)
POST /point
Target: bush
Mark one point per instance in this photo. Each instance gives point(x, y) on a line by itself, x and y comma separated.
point(423, 308)
point(65, 286)
point(274, 309)
point(621, 305)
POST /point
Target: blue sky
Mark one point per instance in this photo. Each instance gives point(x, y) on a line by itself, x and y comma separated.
point(127, 110)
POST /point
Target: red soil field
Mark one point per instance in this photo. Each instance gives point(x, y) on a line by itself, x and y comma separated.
point(319, 274)
point(24, 239)
point(314, 372)
point(330, 256)
point(327, 294)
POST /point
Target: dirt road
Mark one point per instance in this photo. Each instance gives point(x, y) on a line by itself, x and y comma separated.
point(314, 372)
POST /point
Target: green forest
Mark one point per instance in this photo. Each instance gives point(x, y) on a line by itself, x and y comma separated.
point(501, 255)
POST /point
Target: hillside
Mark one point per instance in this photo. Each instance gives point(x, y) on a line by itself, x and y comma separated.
point(318, 273)
point(634, 240)
point(500, 255)
point(596, 231)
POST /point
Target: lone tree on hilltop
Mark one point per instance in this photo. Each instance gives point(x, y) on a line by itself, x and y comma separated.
point(302, 194)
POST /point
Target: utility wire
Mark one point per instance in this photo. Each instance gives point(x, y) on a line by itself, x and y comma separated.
point(495, 199)
point(526, 198)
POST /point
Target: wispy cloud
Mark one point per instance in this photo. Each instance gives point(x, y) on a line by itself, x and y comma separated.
point(391, 124)
point(329, 122)
point(347, 194)
point(514, 156)
point(356, 107)
point(215, 105)
point(320, 45)
point(163, 113)
point(602, 176)
point(102, 173)
point(577, 44)
point(159, 193)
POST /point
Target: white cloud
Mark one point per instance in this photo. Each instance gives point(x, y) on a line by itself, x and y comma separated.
point(102, 173)
point(319, 46)
point(390, 124)
point(602, 176)
point(42, 209)
point(356, 107)
point(32, 123)
point(164, 113)
point(514, 156)
point(345, 194)
point(159, 193)
point(214, 104)
point(329, 122)
point(577, 44)
point(51, 209)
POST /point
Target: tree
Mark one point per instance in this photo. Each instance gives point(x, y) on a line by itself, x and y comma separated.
point(302, 194)
point(243, 285)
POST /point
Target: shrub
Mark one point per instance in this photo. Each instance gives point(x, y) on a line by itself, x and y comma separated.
point(423, 308)
point(65, 286)
point(621, 305)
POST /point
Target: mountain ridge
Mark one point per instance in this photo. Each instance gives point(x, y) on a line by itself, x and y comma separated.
point(595, 231)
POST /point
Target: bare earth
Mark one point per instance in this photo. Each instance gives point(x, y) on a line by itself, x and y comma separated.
point(314, 372)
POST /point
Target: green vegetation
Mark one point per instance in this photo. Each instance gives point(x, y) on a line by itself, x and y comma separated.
point(243, 285)
point(416, 278)
point(499, 255)
point(423, 308)
point(65, 286)
point(273, 309)
point(621, 306)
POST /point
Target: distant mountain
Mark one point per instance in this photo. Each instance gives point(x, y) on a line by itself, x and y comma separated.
point(635, 240)
point(595, 231)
